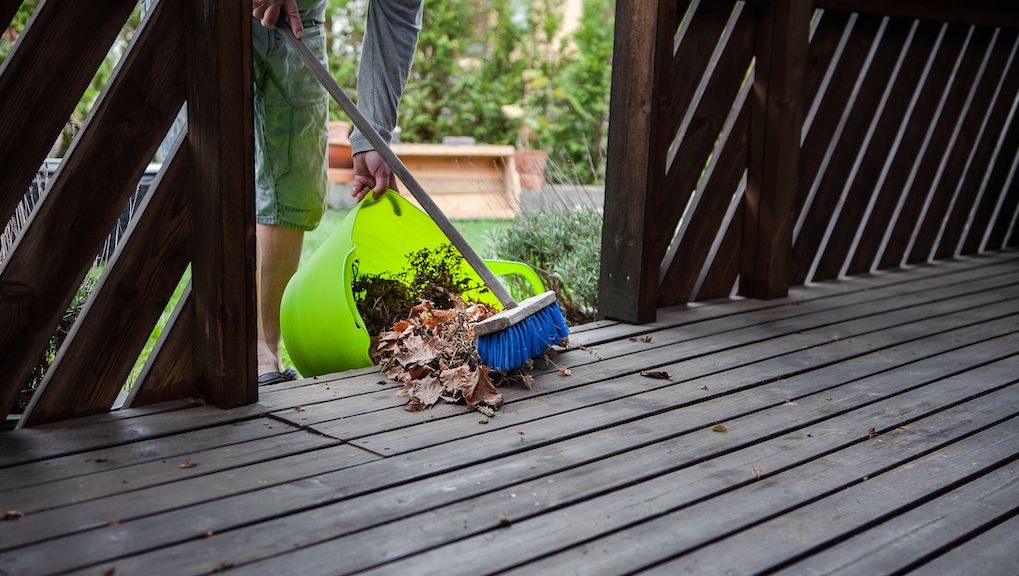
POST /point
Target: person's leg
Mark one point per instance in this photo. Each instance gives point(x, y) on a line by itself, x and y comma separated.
point(279, 252)
point(291, 113)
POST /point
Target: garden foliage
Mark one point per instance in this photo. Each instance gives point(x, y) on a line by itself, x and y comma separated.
point(564, 247)
point(477, 60)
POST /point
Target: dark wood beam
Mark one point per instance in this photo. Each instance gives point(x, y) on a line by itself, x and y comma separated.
point(636, 161)
point(100, 173)
point(167, 374)
point(8, 8)
point(111, 331)
point(221, 140)
point(775, 123)
point(980, 12)
point(40, 84)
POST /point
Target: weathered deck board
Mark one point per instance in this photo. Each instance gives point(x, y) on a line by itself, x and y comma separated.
point(604, 471)
point(992, 552)
point(935, 525)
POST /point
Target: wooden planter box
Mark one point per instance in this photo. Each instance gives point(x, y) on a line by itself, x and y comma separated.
point(466, 181)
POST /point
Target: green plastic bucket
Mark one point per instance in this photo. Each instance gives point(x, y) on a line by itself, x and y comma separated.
point(320, 324)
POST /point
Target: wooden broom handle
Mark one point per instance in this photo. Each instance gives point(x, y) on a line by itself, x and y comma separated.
point(376, 140)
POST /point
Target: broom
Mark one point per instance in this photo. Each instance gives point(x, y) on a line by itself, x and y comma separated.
point(507, 340)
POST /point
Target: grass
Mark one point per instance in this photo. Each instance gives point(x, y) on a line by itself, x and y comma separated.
point(477, 233)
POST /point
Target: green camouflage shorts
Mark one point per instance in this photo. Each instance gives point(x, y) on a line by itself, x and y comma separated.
point(291, 131)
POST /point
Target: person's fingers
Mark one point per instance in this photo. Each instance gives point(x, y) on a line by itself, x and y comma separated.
point(362, 184)
point(381, 182)
point(294, 16)
point(258, 11)
point(271, 15)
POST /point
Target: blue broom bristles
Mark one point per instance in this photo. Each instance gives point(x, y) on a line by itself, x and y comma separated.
point(511, 348)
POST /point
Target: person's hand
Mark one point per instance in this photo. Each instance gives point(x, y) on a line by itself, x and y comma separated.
point(371, 171)
point(268, 13)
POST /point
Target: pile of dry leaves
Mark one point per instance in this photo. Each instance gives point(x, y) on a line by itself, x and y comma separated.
point(433, 354)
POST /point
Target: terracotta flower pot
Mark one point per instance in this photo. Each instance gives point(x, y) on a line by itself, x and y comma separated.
point(531, 167)
point(340, 153)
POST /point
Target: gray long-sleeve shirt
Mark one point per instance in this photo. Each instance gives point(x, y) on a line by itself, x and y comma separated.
point(390, 39)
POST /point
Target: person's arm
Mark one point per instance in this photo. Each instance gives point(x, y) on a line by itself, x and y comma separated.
point(390, 40)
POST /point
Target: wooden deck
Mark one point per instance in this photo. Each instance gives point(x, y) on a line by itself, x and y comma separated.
point(869, 428)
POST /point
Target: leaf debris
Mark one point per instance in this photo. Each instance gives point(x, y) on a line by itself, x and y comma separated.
point(659, 374)
point(719, 428)
point(13, 515)
point(189, 464)
point(872, 433)
point(434, 355)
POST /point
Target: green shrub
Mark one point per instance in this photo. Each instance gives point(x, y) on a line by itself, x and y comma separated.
point(57, 339)
point(564, 247)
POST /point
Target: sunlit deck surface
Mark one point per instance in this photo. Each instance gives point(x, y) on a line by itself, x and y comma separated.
point(860, 427)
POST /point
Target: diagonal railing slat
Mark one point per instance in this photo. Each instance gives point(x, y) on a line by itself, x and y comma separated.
point(167, 373)
point(38, 90)
point(101, 171)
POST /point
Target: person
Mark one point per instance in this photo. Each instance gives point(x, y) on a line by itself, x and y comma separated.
point(291, 137)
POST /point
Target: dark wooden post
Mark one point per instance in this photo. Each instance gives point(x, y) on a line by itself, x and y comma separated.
point(775, 123)
point(629, 269)
point(220, 134)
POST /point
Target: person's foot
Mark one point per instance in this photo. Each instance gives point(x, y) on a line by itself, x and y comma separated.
point(268, 378)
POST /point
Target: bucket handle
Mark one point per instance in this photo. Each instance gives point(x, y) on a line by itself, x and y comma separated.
point(512, 267)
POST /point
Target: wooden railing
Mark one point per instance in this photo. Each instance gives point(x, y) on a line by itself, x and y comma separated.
point(758, 145)
point(199, 211)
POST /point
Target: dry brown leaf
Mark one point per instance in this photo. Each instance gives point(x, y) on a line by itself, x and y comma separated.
point(421, 372)
point(659, 374)
point(189, 464)
point(478, 312)
point(13, 515)
point(443, 316)
point(719, 428)
point(528, 381)
point(646, 339)
point(482, 392)
point(565, 372)
point(872, 433)
point(414, 350)
point(425, 392)
point(758, 472)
